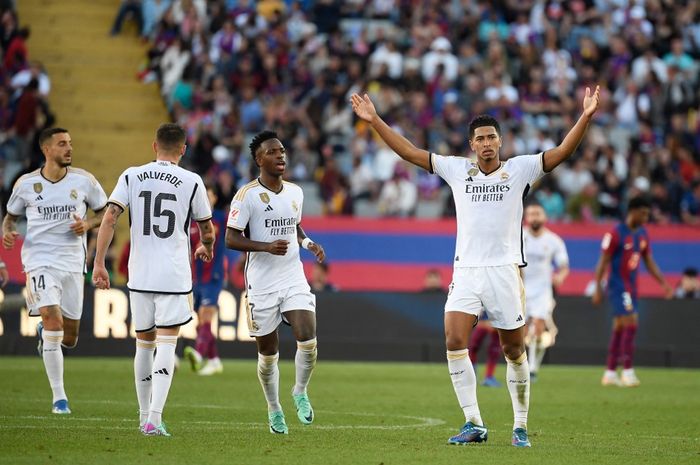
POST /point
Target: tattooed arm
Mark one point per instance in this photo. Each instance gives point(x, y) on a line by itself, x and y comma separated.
point(100, 276)
point(9, 231)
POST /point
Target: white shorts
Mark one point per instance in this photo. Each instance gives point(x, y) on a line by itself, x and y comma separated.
point(265, 311)
point(539, 306)
point(49, 286)
point(149, 310)
point(497, 289)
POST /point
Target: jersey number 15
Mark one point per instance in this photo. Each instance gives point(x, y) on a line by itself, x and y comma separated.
point(158, 211)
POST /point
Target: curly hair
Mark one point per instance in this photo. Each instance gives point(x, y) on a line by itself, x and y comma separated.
point(258, 140)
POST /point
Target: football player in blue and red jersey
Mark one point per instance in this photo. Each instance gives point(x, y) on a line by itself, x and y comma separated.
point(622, 250)
point(208, 280)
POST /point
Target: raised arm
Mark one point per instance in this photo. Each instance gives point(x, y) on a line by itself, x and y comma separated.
point(100, 276)
point(656, 273)
point(364, 109)
point(560, 153)
point(9, 231)
point(237, 241)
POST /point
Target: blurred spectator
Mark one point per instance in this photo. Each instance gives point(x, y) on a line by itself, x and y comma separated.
point(433, 281)
point(128, 8)
point(34, 71)
point(16, 53)
point(319, 278)
point(689, 285)
point(399, 195)
point(690, 205)
point(431, 67)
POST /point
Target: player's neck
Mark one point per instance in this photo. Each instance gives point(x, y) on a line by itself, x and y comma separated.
point(630, 224)
point(489, 166)
point(273, 183)
point(174, 159)
point(54, 172)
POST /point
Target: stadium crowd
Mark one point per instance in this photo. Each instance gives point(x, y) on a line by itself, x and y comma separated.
point(24, 105)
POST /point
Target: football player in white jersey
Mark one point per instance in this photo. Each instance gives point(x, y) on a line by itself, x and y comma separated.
point(265, 221)
point(55, 199)
point(488, 196)
point(162, 199)
point(543, 248)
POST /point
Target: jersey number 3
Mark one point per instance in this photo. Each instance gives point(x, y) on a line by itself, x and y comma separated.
point(158, 211)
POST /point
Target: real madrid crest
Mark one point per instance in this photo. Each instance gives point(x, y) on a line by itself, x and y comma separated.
point(38, 187)
point(264, 197)
point(504, 176)
point(74, 194)
point(295, 207)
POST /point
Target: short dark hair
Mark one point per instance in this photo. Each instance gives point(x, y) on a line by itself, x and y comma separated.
point(483, 120)
point(259, 139)
point(638, 202)
point(170, 136)
point(690, 272)
point(48, 133)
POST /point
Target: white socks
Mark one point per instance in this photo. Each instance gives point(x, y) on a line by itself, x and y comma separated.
point(464, 383)
point(535, 354)
point(163, 368)
point(143, 374)
point(269, 376)
point(304, 362)
point(53, 362)
point(518, 379)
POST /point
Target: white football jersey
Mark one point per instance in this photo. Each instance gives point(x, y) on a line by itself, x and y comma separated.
point(489, 207)
point(50, 208)
point(162, 199)
point(542, 252)
point(266, 216)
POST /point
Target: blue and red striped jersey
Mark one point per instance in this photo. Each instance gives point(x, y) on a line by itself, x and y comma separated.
point(212, 272)
point(625, 248)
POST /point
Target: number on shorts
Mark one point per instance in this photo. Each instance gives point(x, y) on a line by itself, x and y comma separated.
point(158, 211)
point(38, 283)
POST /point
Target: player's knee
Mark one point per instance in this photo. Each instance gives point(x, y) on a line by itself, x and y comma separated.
point(512, 351)
point(69, 342)
point(455, 341)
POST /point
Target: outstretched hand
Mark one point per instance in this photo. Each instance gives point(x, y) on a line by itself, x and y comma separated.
point(363, 107)
point(590, 102)
point(318, 251)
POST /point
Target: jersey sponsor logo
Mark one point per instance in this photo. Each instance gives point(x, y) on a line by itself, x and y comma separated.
point(74, 194)
point(264, 197)
point(57, 212)
point(281, 226)
point(38, 187)
point(487, 192)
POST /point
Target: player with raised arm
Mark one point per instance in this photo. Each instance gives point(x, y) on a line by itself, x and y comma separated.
point(488, 196)
point(621, 251)
point(55, 199)
point(543, 248)
point(265, 221)
point(162, 199)
point(208, 283)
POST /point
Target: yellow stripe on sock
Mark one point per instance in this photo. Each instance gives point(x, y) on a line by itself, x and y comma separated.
point(307, 346)
point(457, 354)
point(518, 360)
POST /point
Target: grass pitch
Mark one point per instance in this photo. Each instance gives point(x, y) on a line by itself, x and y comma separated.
point(366, 413)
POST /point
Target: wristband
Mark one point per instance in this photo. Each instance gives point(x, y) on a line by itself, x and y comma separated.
point(306, 242)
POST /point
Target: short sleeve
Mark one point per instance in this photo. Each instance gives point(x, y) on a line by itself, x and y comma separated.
point(239, 214)
point(440, 165)
point(300, 207)
point(610, 242)
point(17, 204)
point(120, 194)
point(96, 198)
point(532, 166)
point(561, 257)
point(201, 210)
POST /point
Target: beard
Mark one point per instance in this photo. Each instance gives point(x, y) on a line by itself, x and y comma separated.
point(64, 164)
point(535, 226)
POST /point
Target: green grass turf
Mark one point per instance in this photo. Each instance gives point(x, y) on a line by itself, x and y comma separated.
point(366, 413)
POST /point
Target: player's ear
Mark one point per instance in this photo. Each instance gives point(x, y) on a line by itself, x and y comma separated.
point(155, 147)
